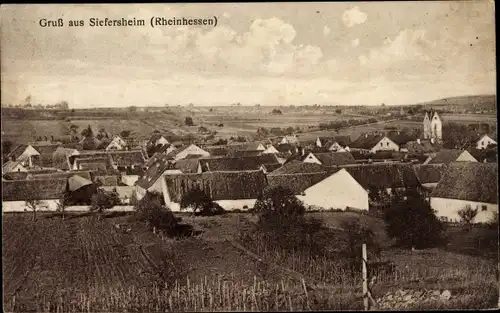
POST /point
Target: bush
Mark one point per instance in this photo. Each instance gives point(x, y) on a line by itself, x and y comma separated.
point(189, 121)
point(282, 222)
point(151, 209)
point(201, 203)
point(412, 222)
point(103, 200)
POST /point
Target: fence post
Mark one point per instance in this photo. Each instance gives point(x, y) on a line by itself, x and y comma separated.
point(365, 278)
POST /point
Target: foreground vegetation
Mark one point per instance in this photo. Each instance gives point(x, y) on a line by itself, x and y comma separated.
point(87, 264)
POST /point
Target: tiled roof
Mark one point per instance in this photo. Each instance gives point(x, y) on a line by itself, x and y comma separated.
point(471, 181)
point(40, 189)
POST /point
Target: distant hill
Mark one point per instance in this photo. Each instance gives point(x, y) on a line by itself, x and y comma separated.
point(483, 102)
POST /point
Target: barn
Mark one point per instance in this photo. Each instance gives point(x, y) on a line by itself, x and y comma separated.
point(467, 183)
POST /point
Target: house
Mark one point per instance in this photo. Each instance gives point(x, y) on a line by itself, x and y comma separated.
point(330, 158)
point(400, 138)
point(446, 156)
point(374, 143)
point(92, 163)
point(336, 143)
point(47, 191)
point(192, 149)
point(157, 140)
point(248, 146)
point(429, 174)
point(24, 154)
point(422, 147)
point(108, 177)
point(161, 149)
point(217, 150)
point(46, 152)
point(151, 181)
point(384, 176)
point(61, 157)
point(484, 141)
point(230, 190)
point(388, 155)
point(488, 155)
point(13, 166)
point(298, 167)
point(249, 163)
point(324, 190)
point(269, 168)
point(270, 149)
point(117, 143)
point(128, 159)
point(290, 139)
point(467, 183)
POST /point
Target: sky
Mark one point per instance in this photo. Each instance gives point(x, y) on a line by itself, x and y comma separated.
point(339, 53)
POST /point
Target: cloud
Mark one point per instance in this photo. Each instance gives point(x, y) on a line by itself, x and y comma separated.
point(408, 45)
point(326, 31)
point(354, 17)
point(355, 42)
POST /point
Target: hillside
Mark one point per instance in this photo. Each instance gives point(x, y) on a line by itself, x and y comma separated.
point(482, 102)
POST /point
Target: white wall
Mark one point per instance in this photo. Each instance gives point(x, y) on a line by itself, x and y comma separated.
point(311, 159)
point(466, 157)
point(449, 207)
point(484, 142)
point(192, 149)
point(129, 180)
point(20, 206)
point(228, 205)
point(337, 191)
point(385, 144)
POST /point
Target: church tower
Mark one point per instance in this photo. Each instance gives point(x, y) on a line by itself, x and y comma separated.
point(427, 126)
point(436, 127)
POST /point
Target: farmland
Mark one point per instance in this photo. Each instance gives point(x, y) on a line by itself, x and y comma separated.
point(87, 264)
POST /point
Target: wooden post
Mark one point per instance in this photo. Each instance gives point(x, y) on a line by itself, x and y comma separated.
point(365, 278)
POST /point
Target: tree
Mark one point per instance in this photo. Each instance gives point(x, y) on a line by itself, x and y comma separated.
point(338, 111)
point(152, 210)
point(62, 203)
point(87, 132)
point(103, 200)
point(188, 121)
point(458, 136)
point(132, 109)
point(276, 111)
point(200, 202)
point(467, 215)
point(412, 222)
point(358, 234)
point(73, 128)
point(282, 223)
point(125, 133)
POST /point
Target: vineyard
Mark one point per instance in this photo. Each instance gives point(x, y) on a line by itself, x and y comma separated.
point(85, 264)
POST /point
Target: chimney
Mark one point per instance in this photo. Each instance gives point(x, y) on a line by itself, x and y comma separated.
point(418, 140)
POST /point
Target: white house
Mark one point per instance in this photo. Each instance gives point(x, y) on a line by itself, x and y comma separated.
point(191, 150)
point(117, 143)
point(230, 190)
point(13, 166)
point(446, 156)
point(385, 144)
point(374, 143)
point(324, 190)
point(46, 191)
point(484, 142)
point(467, 183)
point(270, 150)
point(152, 179)
point(330, 158)
point(289, 139)
point(24, 154)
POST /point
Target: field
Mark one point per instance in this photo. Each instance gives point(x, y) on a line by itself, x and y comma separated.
point(85, 264)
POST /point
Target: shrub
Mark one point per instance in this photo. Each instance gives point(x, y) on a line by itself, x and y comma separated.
point(282, 222)
point(200, 202)
point(103, 200)
point(152, 210)
point(412, 222)
point(188, 121)
point(467, 215)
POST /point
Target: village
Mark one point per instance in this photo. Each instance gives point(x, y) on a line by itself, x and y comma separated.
point(329, 173)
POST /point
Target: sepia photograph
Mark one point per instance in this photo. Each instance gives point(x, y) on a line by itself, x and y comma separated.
point(281, 156)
